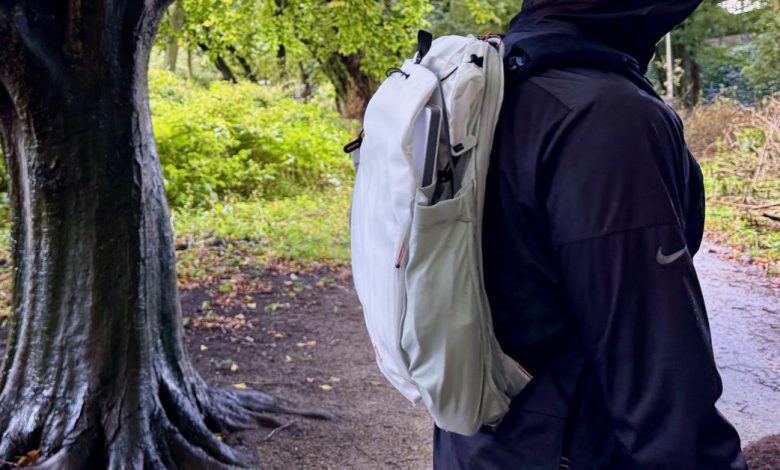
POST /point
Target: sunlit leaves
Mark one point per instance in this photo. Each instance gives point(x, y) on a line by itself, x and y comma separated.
point(263, 32)
point(244, 140)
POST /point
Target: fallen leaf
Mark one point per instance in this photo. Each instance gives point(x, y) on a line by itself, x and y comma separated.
point(310, 380)
point(326, 388)
point(226, 364)
point(276, 306)
point(234, 367)
point(203, 347)
point(29, 459)
point(240, 386)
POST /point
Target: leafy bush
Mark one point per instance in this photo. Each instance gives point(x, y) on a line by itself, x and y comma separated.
point(709, 126)
point(243, 140)
point(742, 175)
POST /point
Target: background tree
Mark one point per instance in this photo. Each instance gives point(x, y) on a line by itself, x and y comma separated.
point(176, 22)
point(348, 44)
point(763, 71)
point(96, 375)
point(471, 16)
point(724, 50)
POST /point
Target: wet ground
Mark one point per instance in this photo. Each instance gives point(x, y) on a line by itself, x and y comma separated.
point(301, 337)
point(744, 311)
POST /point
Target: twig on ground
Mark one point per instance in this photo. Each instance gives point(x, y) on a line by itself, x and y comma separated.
point(275, 431)
point(774, 217)
point(754, 207)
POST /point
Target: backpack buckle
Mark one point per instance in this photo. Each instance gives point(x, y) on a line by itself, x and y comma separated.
point(468, 143)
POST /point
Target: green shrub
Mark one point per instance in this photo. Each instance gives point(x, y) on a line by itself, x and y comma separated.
point(241, 141)
point(742, 176)
point(304, 228)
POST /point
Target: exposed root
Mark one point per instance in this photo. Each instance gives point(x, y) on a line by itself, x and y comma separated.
point(170, 431)
point(235, 410)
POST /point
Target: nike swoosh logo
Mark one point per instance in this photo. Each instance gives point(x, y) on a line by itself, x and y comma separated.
point(670, 258)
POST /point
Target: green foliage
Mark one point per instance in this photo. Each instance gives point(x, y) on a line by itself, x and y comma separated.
point(3, 174)
point(471, 16)
point(746, 230)
point(309, 43)
point(742, 176)
point(243, 141)
point(738, 55)
point(304, 228)
point(764, 68)
point(304, 33)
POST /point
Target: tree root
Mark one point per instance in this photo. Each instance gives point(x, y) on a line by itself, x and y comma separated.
point(174, 430)
point(239, 410)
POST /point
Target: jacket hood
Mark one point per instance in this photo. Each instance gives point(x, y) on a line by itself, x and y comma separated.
point(629, 26)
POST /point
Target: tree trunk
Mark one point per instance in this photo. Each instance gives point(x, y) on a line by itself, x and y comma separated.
point(354, 87)
point(172, 46)
point(244, 63)
point(190, 74)
point(695, 81)
point(96, 374)
point(221, 65)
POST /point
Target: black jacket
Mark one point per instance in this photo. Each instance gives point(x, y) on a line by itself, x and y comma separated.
point(593, 213)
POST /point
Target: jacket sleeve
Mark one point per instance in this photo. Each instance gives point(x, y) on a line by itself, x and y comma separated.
point(613, 204)
point(640, 312)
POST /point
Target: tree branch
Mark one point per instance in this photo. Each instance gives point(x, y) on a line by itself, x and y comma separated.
point(245, 66)
point(221, 65)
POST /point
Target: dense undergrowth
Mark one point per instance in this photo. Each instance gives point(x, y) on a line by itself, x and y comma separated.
point(243, 141)
point(739, 151)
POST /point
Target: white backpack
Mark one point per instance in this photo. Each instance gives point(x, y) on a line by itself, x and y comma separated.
point(417, 251)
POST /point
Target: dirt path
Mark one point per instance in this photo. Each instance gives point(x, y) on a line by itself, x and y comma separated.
point(300, 336)
point(744, 311)
point(377, 429)
point(305, 341)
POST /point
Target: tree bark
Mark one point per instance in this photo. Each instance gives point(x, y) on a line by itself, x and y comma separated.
point(246, 67)
point(172, 46)
point(96, 375)
point(222, 66)
point(354, 87)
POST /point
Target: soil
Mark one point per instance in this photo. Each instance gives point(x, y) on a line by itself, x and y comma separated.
point(308, 344)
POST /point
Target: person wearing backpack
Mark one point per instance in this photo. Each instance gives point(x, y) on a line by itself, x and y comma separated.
point(593, 212)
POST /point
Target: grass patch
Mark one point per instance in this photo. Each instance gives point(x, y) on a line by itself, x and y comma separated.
point(303, 230)
point(306, 228)
point(750, 236)
point(742, 180)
